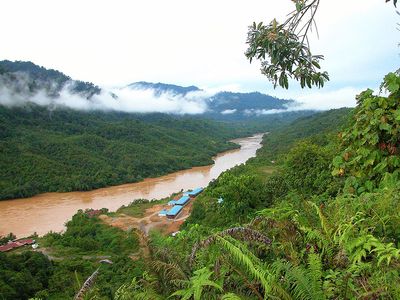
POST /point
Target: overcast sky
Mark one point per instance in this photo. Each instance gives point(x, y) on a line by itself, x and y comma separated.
point(202, 43)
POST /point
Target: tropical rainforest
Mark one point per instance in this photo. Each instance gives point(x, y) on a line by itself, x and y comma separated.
point(46, 147)
point(66, 150)
point(313, 216)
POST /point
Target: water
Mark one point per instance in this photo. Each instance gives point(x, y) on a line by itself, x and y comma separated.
point(49, 212)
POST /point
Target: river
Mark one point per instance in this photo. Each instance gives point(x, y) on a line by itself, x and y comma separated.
point(49, 211)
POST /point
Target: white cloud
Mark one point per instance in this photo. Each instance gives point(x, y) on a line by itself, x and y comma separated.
point(323, 100)
point(190, 42)
point(16, 93)
point(228, 111)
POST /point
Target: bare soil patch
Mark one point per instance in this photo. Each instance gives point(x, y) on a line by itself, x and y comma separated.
point(150, 220)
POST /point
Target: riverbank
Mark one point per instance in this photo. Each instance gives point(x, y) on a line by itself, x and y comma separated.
point(48, 212)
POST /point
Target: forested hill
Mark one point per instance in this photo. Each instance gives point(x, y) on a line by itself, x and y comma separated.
point(64, 150)
point(315, 131)
point(26, 78)
point(160, 88)
point(223, 105)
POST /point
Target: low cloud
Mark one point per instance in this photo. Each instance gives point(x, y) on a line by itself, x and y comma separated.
point(259, 112)
point(324, 100)
point(16, 92)
point(144, 101)
point(228, 111)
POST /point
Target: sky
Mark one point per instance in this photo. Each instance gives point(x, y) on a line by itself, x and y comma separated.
point(202, 43)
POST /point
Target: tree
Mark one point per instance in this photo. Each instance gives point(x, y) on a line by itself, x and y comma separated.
point(284, 48)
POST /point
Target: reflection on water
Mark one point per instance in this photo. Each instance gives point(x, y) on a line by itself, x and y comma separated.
point(50, 211)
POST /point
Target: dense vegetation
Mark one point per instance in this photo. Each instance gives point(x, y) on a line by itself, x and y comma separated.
point(27, 78)
point(300, 232)
point(49, 147)
point(309, 226)
point(63, 150)
point(75, 255)
point(298, 228)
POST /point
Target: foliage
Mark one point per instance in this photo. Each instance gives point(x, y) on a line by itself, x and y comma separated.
point(322, 242)
point(76, 255)
point(302, 167)
point(242, 196)
point(306, 169)
point(319, 129)
point(142, 289)
point(7, 238)
point(196, 285)
point(284, 51)
point(23, 275)
point(370, 146)
point(65, 150)
point(88, 234)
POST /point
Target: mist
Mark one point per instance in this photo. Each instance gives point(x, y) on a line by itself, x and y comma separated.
point(20, 89)
point(17, 91)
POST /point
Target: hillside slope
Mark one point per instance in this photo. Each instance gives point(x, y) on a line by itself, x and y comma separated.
point(64, 150)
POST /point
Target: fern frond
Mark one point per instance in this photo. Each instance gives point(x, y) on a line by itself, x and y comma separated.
point(169, 271)
point(230, 296)
point(325, 225)
point(243, 233)
point(255, 268)
point(315, 273)
point(87, 285)
point(279, 213)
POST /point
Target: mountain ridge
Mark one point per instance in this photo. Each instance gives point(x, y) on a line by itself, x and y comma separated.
point(26, 80)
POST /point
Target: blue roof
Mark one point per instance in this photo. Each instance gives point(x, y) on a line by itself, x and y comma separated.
point(183, 200)
point(220, 200)
point(174, 211)
point(172, 202)
point(164, 212)
point(195, 191)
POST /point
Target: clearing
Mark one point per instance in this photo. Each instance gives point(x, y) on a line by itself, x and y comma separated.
point(150, 220)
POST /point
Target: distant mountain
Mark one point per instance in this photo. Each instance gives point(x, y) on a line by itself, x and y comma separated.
point(232, 105)
point(26, 78)
point(160, 88)
point(22, 82)
point(225, 105)
point(242, 101)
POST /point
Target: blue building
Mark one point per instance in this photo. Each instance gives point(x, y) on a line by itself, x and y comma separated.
point(162, 213)
point(195, 192)
point(172, 202)
point(183, 200)
point(173, 212)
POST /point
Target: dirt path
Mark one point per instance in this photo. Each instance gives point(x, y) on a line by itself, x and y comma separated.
point(49, 253)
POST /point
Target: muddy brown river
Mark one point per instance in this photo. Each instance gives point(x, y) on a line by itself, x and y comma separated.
point(49, 212)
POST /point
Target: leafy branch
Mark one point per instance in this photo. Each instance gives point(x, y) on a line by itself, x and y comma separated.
point(284, 49)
